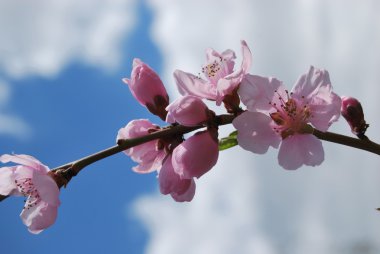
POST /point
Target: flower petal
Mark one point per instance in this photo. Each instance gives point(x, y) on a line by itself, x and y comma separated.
point(315, 87)
point(186, 196)
point(7, 181)
point(298, 150)
point(255, 133)
point(47, 188)
point(169, 181)
point(196, 155)
point(187, 110)
point(257, 92)
point(39, 217)
point(247, 56)
point(25, 160)
point(146, 155)
point(188, 83)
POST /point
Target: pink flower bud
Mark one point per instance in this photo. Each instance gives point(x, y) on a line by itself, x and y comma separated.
point(148, 89)
point(352, 111)
point(196, 155)
point(188, 110)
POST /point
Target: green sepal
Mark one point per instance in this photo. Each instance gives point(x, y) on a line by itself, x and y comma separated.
point(228, 142)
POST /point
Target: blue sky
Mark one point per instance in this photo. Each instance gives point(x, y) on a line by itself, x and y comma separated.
point(61, 65)
point(71, 115)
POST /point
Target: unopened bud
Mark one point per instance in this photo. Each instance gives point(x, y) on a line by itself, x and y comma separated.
point(352, 111)
point(148, 89)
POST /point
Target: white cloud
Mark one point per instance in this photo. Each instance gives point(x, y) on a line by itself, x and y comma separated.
point(247, 204)
point(41, 37)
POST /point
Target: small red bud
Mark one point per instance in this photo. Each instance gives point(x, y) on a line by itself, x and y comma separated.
point(352, 111)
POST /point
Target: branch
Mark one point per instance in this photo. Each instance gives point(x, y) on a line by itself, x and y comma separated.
point(363, 144)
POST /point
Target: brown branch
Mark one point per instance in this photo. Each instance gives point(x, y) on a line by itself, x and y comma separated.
point(363, 144)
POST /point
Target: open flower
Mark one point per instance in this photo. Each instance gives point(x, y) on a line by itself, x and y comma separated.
point(149, 155)
point(148, 89)
point(220, 77)
point(277, 116)
point(31, 180)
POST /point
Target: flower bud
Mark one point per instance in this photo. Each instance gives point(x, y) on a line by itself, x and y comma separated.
point(352, 111)
point(196, 155)
point(189, 111)
point(148, 89)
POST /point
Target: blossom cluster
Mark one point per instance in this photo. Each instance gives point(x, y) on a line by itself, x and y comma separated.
point(273, 116)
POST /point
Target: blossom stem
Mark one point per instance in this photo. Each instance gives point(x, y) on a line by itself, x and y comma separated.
point(363, 144)
point(73, 168)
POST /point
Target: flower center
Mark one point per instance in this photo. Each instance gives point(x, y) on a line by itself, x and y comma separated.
point(216, 70)
point(291, 115)
point(28, 190)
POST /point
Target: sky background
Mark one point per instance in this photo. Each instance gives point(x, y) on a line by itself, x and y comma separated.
point(61, 98)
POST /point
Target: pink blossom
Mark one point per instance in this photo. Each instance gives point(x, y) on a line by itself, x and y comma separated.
point(31, 180)
point(170, 183)
point(188, 110)
point(149, 156)
point(220, 77)
point(276, 116)
point(196, 155)
point(148, 89)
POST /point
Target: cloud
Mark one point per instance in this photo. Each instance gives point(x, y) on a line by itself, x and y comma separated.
point(247, 203)
point(42, 37)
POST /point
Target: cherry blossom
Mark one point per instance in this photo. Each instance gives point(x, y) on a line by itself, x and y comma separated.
point(31, 180)
point(149, 155)
point(278, 117)
point(148, 89)
point(220, 77)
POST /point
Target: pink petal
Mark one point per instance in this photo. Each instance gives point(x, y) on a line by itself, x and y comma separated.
point(169, 181)
point(186, 196)
point(196, 155)
point(7, 181)
point(299, 150)
point(189, 84)
point(187, 110)
point(324, 105)
point(257, 92)
point(228, 56)
point(24, 159)
point(247, 56)
point(47, 188)
point(150, 164)
point(255, 133)
point(325, 111)
point(146, 155)
point(39, 217)
point(227, 85)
